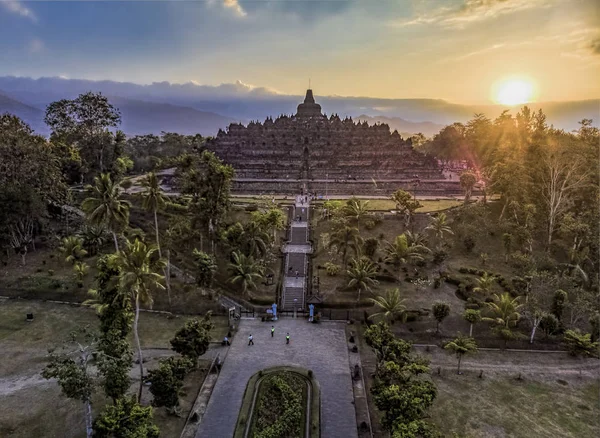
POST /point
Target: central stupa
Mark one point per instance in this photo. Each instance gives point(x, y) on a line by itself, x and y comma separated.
point(309, 108)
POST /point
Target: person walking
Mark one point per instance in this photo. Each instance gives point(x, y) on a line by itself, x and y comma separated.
point(296, 274)
point(272, 330)
point(250, 340)
point(287, 338)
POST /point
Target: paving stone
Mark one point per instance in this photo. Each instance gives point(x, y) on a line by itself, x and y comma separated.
point(319, 347)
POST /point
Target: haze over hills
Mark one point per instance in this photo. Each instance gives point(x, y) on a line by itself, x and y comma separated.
point(191, 108)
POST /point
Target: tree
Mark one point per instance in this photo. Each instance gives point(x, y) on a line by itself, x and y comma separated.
point(362, 273)
point(166, 381)
point(245, 271)
point(93, 237)
point(72, 249)
point(405, 204)
point(440, 312)
point(439, 227)
point(104, 206)
point(400, 252)
point(390, 306)
point(138, 277)
point(255, 240)
point(153, 200)
point(538, 291)
point(114, 309)
point(272, 220)
point(356, 209)
point(485, 283)
point(126, 418)
point(467, 181)
point(505, 315)
point(472, 316)
point(370, 247)
point(70, 368)
point(549, 324)
point(507, 239)
point(580, 344)
point(558, 303)
point(21, 236)
point(206, 266)
point(85, 122)
point(193, 338)
point(460, 346)
point(345, 238)
point(81, 270)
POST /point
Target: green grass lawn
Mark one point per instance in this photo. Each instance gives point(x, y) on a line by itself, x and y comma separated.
point(505, 407)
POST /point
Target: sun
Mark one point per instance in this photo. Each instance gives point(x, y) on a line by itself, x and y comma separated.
point(514, 92)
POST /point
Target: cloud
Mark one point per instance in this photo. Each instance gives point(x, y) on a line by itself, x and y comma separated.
point(35, 46)
point(470, 11)
point(16, 7)
point(235, 6)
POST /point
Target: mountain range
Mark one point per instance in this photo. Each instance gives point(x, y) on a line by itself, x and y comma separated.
point(192, 108)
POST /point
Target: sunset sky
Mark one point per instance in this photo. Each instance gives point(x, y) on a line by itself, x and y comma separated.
point(465, 51)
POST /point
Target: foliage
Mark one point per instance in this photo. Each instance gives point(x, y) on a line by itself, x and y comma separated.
point(472, 316)
point(405, 204)
point(580, 344)
point(504, 310)
point(81, 270)
point(103, 205)
point(399, 390)
point(362, 273)
point(370, 247)
point(390, 305)
point(357, 210)
point(206, 266)
point(279, 407)
point(440, 311)
point(193, 338)
point(549, 324)
point(558, 303)
point(153, 200)
point(484, 283)
point(332, 269)
point(399, 252)
point(72, 249)
point(468, 180)
point(166, 381)
point(345, 238)
point(125, 419)
point(461, 346)
point(439, 227)
point(245, 271)
point(93, 237)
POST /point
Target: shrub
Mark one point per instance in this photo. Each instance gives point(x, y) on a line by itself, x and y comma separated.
point(50, 272)
point(370, 224)
point(439, 256)
point(332, 269)
point(251, 207)
point(469, 243)
point(370, 247)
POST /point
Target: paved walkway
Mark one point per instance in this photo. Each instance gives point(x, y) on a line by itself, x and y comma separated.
point(319, 347)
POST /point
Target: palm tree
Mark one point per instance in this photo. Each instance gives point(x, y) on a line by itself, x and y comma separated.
point(72, 249)
point(362, 273)
point(460, 346)
point(103, 206)
point(255, 239)
point(245, 270)
point(390, 305)
point(485, 283)
point(399, 252)
point(345, 238)
point(415, 238)
point(138, 277)
point(504, 310)
point(81, 269)
point(93, 236)
point(472, 316)
point(357, 209)
point(439, 227)
point(153, 200)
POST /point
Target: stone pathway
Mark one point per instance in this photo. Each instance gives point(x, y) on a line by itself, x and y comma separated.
point(296, 260)
point(318, 347)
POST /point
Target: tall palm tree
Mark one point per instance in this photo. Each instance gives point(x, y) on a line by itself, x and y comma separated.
point(345, 238)
point(439, 227)
point(504, 310)
point(399, 252)
point(362, 273)
point(138, 277)
point(103, 206)
point(485, 283)
point(153, 200)
point(245, 271)
point(357, 209)
point(390, 305)
point(72, 250)
point(460, 346)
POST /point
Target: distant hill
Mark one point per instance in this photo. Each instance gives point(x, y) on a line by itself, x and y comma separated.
point(33, 116)
point(404, 127)
point(137, 117)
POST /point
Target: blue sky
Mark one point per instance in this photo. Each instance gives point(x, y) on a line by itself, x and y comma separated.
point(455, 49)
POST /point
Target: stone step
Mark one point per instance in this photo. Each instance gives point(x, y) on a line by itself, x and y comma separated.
point(293, 293)
point(297, 262)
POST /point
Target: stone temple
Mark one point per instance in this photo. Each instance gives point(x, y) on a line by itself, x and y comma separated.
point(311, 152)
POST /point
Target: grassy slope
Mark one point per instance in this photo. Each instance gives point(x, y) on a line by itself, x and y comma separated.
point(499, 407)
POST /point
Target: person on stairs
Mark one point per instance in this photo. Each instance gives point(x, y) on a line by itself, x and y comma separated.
point(250, 340)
